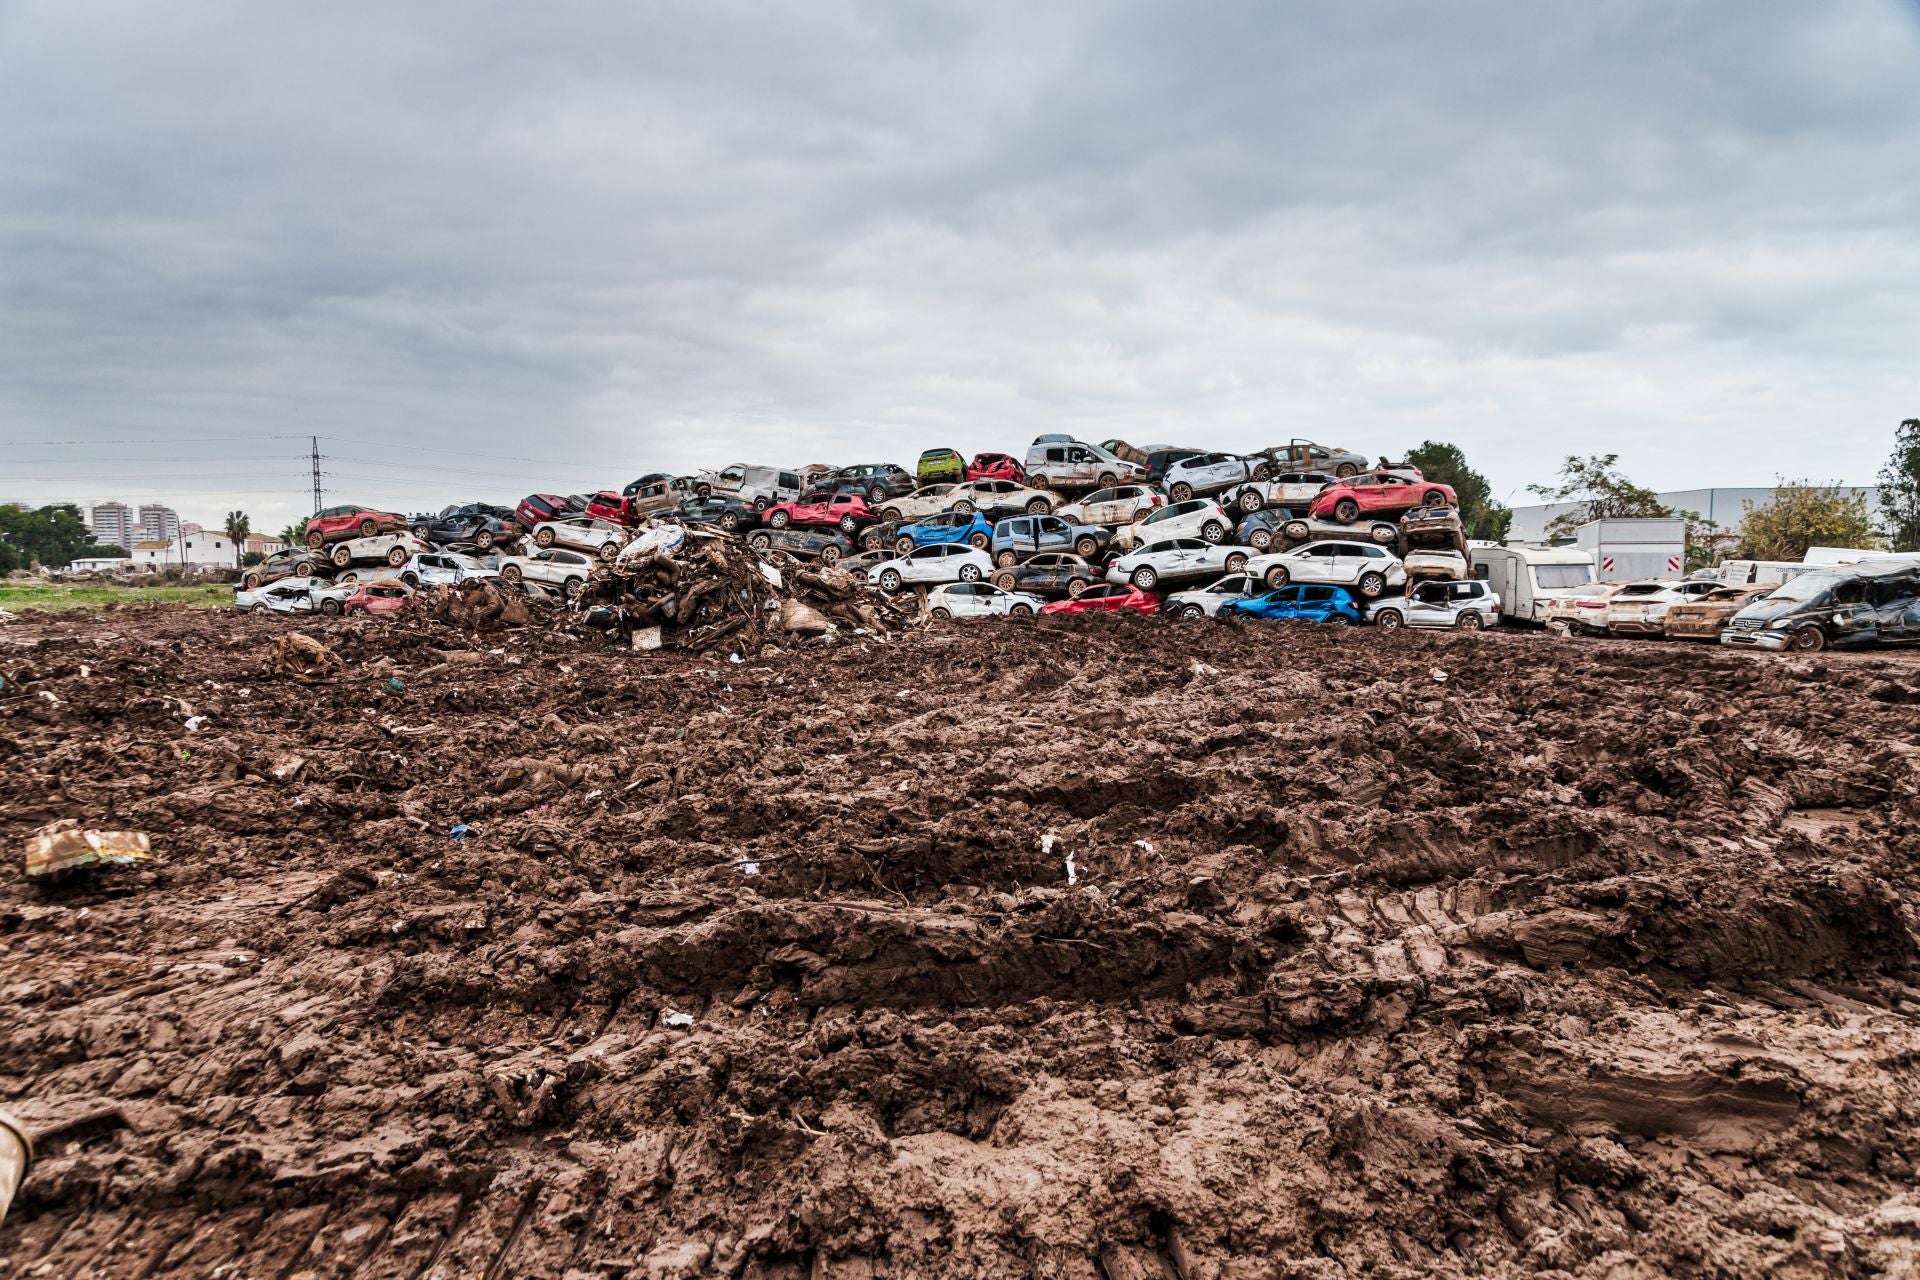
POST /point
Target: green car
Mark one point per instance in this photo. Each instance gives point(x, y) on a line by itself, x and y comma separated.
point(941, 466)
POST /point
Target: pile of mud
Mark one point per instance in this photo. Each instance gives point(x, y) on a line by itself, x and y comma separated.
point(1095, 948)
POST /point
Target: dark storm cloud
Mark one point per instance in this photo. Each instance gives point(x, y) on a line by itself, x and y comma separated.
point(619, 236)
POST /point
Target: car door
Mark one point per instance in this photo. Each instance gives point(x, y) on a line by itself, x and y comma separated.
point(1891, 600)
point(1428, 606)
point(922, 564)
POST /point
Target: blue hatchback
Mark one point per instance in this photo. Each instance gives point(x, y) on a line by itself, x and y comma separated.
point(948, 526)
point(1303, 602)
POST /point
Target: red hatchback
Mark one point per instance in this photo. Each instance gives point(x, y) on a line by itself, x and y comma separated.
point(1108, 599)
point(612, 508)
point(1379, 493)
point(379, 597)
point(337, 524)
point(996, 466)
point(538, 508)
point(821, 509)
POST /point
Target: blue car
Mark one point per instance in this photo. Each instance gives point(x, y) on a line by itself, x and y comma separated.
point(949, 526)
point(1306, 603)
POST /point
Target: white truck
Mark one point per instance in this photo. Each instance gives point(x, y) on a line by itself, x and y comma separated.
point(1527, 578)
point(1633, 550)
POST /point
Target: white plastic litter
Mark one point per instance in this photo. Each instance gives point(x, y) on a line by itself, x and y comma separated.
point(1439, 676)
point(1200, 668)
point(672, 1019)
point(749, 868)
point(662, 539)
point(194, 723)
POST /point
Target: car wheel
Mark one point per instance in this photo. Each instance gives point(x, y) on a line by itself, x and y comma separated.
point(571, 587)
point(1385, 534)
point(1346, 511)
point(1005, 581)
point(942, 614)
point(304, 568)
point(1346, 469)
point(963, 506)
point(421, 532)
point(848, 524)
point(1434, 498)
point(1039, 507)
point(1075, 586)
point(1372, 584)
point(1807, 640)
point(730, 521)
point(316, 540)
point(484, 540)
point(1294, 530)
point(761, 504)
point(1469, 621)
point(1021, 611)
point(543, 538)
point(760, 541)
point(411, 579)
point(890, 581)
point(1140, 513)
point(396, 557)
point(1213, 531)
point(890, 515)
point(703, 491)
point(979, 542)
point(1389, 620)
point(829, 555)
point(1260, 539)
point(1108, 480)
point(252, 582)
point(368, 528)
point(1192, 611)
point(1086, 547)
point(876, 495)
point(1037, 481)
point(341, 557)
point(510, 573)
point(1006, 559)
point(332, 608)
point(1236, 561)
point(1276, 577)
point(903, 544)
point(1180, 492)
point(1264, 471)
point(1251, 500)
point(969, 573)
point(1144, 578)
point(608, 551)
point(779, 520)
point(1338, 620)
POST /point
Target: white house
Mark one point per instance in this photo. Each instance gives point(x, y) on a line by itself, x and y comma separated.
point(102, 564)
point(205, 549)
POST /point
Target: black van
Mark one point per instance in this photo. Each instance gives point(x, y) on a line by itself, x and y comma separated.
point(1844, 607)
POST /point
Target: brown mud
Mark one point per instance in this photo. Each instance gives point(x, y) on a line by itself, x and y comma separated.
point(1092, 948)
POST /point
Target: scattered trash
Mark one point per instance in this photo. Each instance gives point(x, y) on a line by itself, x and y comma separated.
point(64, 846)
point(749, 868)
point(1202, 669)
point(194, 723)
point(735, 658)
point(303, 657)
point(1047, 842)
point(1439, 676)
point(16, 1157)
point(396, 684)
point(459, 832)
point(672, 1019)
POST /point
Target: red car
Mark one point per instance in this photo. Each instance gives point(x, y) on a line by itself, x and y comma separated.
point(996, 466)
point(379, 597)
point(538, 508)
point(1108, 599)
point(844, 511)
point(612, 508)
point(1378, 493)
point(337, 524)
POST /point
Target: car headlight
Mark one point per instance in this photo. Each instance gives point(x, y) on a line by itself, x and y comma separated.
point(1780, 624)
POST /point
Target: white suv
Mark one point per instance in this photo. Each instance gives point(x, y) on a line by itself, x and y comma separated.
point(1367, 568)
point(1200, 518)
point(1206, 473)
point(1461, 606)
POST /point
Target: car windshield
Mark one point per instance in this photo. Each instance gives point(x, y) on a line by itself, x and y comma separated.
point(1560, 576)
point(1807, 586)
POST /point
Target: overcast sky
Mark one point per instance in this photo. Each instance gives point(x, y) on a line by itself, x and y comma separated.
point(490, 248)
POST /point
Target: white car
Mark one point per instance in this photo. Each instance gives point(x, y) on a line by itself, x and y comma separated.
point(582, 533)
point(1458, 606)
point(549, 566)
point(295, 595)
point(1640, 608)
point(985, 495)
point(444, 567)
point(1366, 567)
point(1176, 560)
point(1291, 491)
point(1205, 602)
point(942, 562)
point(1196, 518)
point(394, 548)
point(1206, 473)
point(1120, 505)
point(980, 600)
point(921, 503)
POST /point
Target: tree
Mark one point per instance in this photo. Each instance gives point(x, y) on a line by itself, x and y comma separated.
point(1802, 515)
point(1599, 492)
point(238, 526)
point(1483, 515)
point(50, 536)
point(1900, 488)
point(293, 535)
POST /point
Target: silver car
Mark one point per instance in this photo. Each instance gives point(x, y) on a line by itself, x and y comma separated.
point(1205, 602)
point(1206, 473)
point(295, 595)
point(1369, 569)
point(444, 567)
point(1453, 606)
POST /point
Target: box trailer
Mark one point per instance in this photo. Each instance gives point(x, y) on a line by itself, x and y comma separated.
point(1527, 578)
point(1636, 549)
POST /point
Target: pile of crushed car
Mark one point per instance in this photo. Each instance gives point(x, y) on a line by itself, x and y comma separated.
point(1295, 531)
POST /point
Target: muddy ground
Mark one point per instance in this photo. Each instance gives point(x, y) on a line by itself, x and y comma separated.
point(994, 951)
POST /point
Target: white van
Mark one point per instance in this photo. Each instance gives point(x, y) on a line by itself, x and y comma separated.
point(1527, 579)
point(1061, 462)
point(758, 487)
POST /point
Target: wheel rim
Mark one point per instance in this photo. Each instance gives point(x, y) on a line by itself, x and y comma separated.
point(1212, 531)
point(1074, 587)
point(368, 528)
point(608, 551)
point(1347, 512)
point(942, 613)
point(778, 519)
point(1434, 498)
point(1004, 581)
point(544, 537)
point(964, 507)
point(484, 540)
point(1235, 563)
point(1180, 492)
point(729, 522)
point(1145, 578)
point(830, 555)
point(1371, 584)
point(1021, 611)
point(1192, 611)
point(511, 573)
point(1261, 541)
point(903, 545)
point(1388, 621)
point(847, 524)
point(1038, 507)
point(1276, 577)
point(1005, 559)
point(890, 580)
point(1296, 530)
point(969, 573)
point(1251, 502)
point(1470, 622)
point(1345, 469)
point(1086, 547)
point(396, 557)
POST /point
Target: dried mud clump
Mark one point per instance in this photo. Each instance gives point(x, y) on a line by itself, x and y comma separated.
point(1013, 950)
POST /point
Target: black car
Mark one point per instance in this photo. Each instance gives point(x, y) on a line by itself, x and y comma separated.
point(1844, 606)
point(480, 523)
point(1160, 459)
point(724, 513)
point(875, 481)
point(808, 544)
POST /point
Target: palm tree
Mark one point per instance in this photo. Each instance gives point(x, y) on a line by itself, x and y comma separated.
point(293, 535)
point(238, 527)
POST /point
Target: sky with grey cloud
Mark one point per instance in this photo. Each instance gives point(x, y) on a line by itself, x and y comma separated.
point(485, 248)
